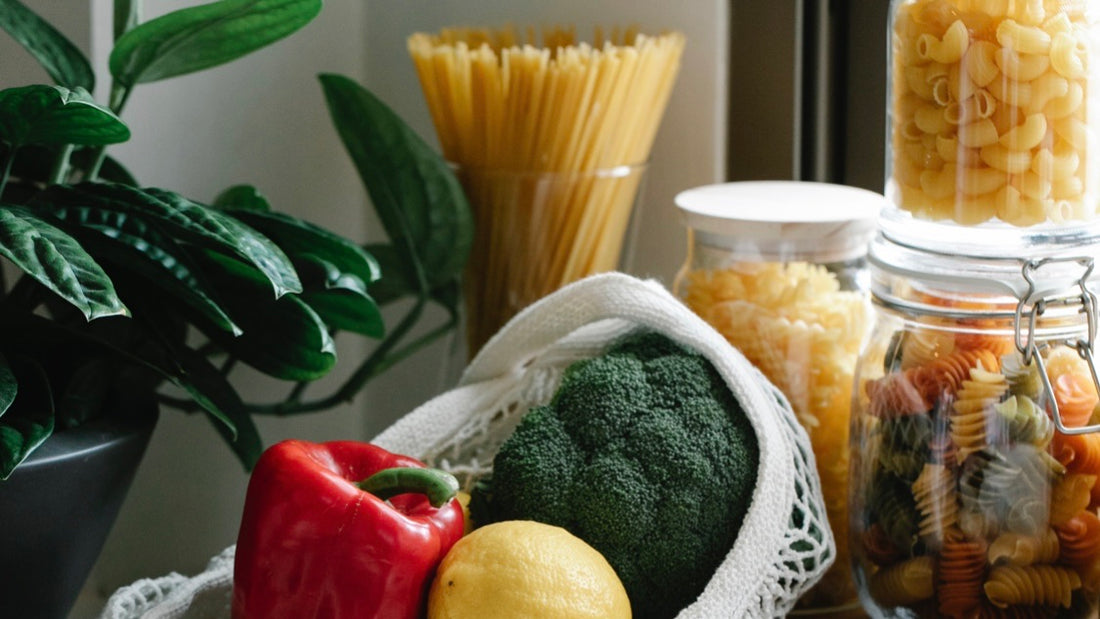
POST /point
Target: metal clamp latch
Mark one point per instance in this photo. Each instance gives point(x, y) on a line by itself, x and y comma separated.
point(1029, 311)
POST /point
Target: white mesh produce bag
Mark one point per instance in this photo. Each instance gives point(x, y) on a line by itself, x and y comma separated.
point(784, 545)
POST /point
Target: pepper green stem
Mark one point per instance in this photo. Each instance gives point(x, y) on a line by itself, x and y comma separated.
point(439, 486)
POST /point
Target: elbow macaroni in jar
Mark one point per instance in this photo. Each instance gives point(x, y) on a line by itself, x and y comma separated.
point(991, 111)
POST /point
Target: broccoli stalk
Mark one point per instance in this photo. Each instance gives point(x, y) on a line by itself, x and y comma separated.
point(643, 453)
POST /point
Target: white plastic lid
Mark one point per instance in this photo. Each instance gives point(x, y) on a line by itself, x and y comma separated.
point(784, 220)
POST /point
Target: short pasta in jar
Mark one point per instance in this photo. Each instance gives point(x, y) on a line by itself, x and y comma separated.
point(971, 494)
point(992, 111)
point(779, 269)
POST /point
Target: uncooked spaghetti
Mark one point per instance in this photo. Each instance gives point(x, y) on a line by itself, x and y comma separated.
point(550, 142)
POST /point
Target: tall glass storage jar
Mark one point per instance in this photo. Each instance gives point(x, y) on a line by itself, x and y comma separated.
point(975, 456)
point(975, 451)
point(991, 123)
point(779, 268)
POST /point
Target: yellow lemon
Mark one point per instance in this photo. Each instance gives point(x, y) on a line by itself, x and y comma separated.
point(522, 568)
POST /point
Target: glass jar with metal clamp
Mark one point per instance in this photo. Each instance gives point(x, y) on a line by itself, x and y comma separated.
point(975, 475)
point(991, 121)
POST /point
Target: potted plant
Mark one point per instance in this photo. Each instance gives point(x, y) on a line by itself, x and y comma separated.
point(110, 291)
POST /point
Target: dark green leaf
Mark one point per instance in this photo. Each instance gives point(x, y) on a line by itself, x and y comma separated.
point(127, 16)
point(421, 204)
point(396, 282)
point(85, 392)
point(18, 192)
point(119, 338)
point(9, 387)
point(338, 270)
point(340, 298)
point(183, 220)
point(204, 36)
point(64, 63)
point(143, 345)
point(150, 341)
point(298, 237)
point(256, 249)
point(320, 274)
point(210, 389)
point(344, 310)
point(126, 243)
point(41, 114)
point(57, 261)
point(284, 338)
point(29, 422)
point(244, 197)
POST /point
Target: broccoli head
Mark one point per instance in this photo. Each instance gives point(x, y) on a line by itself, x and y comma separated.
point(645, 454)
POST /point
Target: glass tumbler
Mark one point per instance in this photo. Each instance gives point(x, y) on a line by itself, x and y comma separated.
point(537, 231)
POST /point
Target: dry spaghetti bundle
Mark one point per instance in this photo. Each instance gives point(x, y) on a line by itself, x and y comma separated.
point(550, 142)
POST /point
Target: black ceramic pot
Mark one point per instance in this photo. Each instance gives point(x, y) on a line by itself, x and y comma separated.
point(57, 508)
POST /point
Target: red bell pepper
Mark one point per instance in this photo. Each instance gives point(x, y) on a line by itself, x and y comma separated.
point(319, 540)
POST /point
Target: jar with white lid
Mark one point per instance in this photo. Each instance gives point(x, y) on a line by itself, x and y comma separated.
point(779, 268)
point(975, 452)
point(992, 113)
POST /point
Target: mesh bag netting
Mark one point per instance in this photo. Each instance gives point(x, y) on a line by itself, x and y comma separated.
point(784, 545)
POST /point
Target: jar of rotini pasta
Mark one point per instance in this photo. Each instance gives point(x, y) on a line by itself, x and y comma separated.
point(975, 451)
point(992, 123)
point(779, 268)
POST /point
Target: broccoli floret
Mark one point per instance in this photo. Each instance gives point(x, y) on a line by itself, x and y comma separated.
point(532, 490)
point(645, 454)
point(608, 395)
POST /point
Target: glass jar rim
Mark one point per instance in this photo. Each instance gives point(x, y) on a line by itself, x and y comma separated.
point(989, 240)
point(957, 271)
point(1013, 293)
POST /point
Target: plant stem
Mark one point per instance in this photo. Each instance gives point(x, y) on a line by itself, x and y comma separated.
point(119, 96)
point(61, 165)
point(127, 15)
point(7, 169)
point(414, 346)
point(97, 163)
point(296, 393)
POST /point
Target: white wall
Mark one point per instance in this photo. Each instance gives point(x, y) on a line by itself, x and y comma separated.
point(262, 120)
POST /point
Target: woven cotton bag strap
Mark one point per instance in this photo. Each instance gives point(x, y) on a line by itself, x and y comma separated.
point(649, 304)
